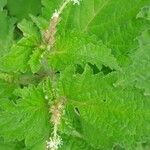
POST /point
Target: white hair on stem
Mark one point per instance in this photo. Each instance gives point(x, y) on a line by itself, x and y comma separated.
point(57, 108)
point(63, 6)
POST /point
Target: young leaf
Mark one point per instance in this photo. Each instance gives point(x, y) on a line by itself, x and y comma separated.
point(27, 119)
point(17, 58)
point(6, 29)
point(19, 55)
point(40, 22)
point(34, 62)
point(144, 13)
point(29, 29)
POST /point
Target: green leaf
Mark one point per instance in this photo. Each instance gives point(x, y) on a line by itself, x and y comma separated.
point(140, 67)
point(6, 29)
point(11, 145)
point(77, 49)
point(144, 13)
point(114, 21)
point(21, 9)
point(49, 7)
point(6, 89)
point(35, 60)
point(105, 108)
point(138, 72)
point(29, 29)
point(17, 59)
point(91, 16)
point(7, 85)
point(2, 4)
point(72, 143)
point(27, 119)
point(40, 22)
point(19, 55)
point(107, 115)
point(39, 146)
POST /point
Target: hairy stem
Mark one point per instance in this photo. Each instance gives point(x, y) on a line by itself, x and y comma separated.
point(56, 110)
point(49, 35)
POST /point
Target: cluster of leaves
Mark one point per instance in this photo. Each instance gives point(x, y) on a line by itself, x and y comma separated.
point(100, 63)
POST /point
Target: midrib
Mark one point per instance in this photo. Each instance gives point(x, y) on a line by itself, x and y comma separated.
point(95, 14)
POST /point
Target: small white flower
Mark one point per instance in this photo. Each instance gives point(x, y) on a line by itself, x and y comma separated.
point(76, 2)
point(55, 14)
point(51, 144)
point(54, 144)
point(42, 55)
point(46, 97)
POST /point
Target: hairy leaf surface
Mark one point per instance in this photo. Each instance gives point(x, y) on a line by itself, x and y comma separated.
point(6, 29)
point(27, 118)
point(138, 72)
point(21, 9)
point(19, 55)
point(77, 49)
point(107, 115)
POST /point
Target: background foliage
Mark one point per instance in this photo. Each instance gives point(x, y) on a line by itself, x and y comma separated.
point(101, 60)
